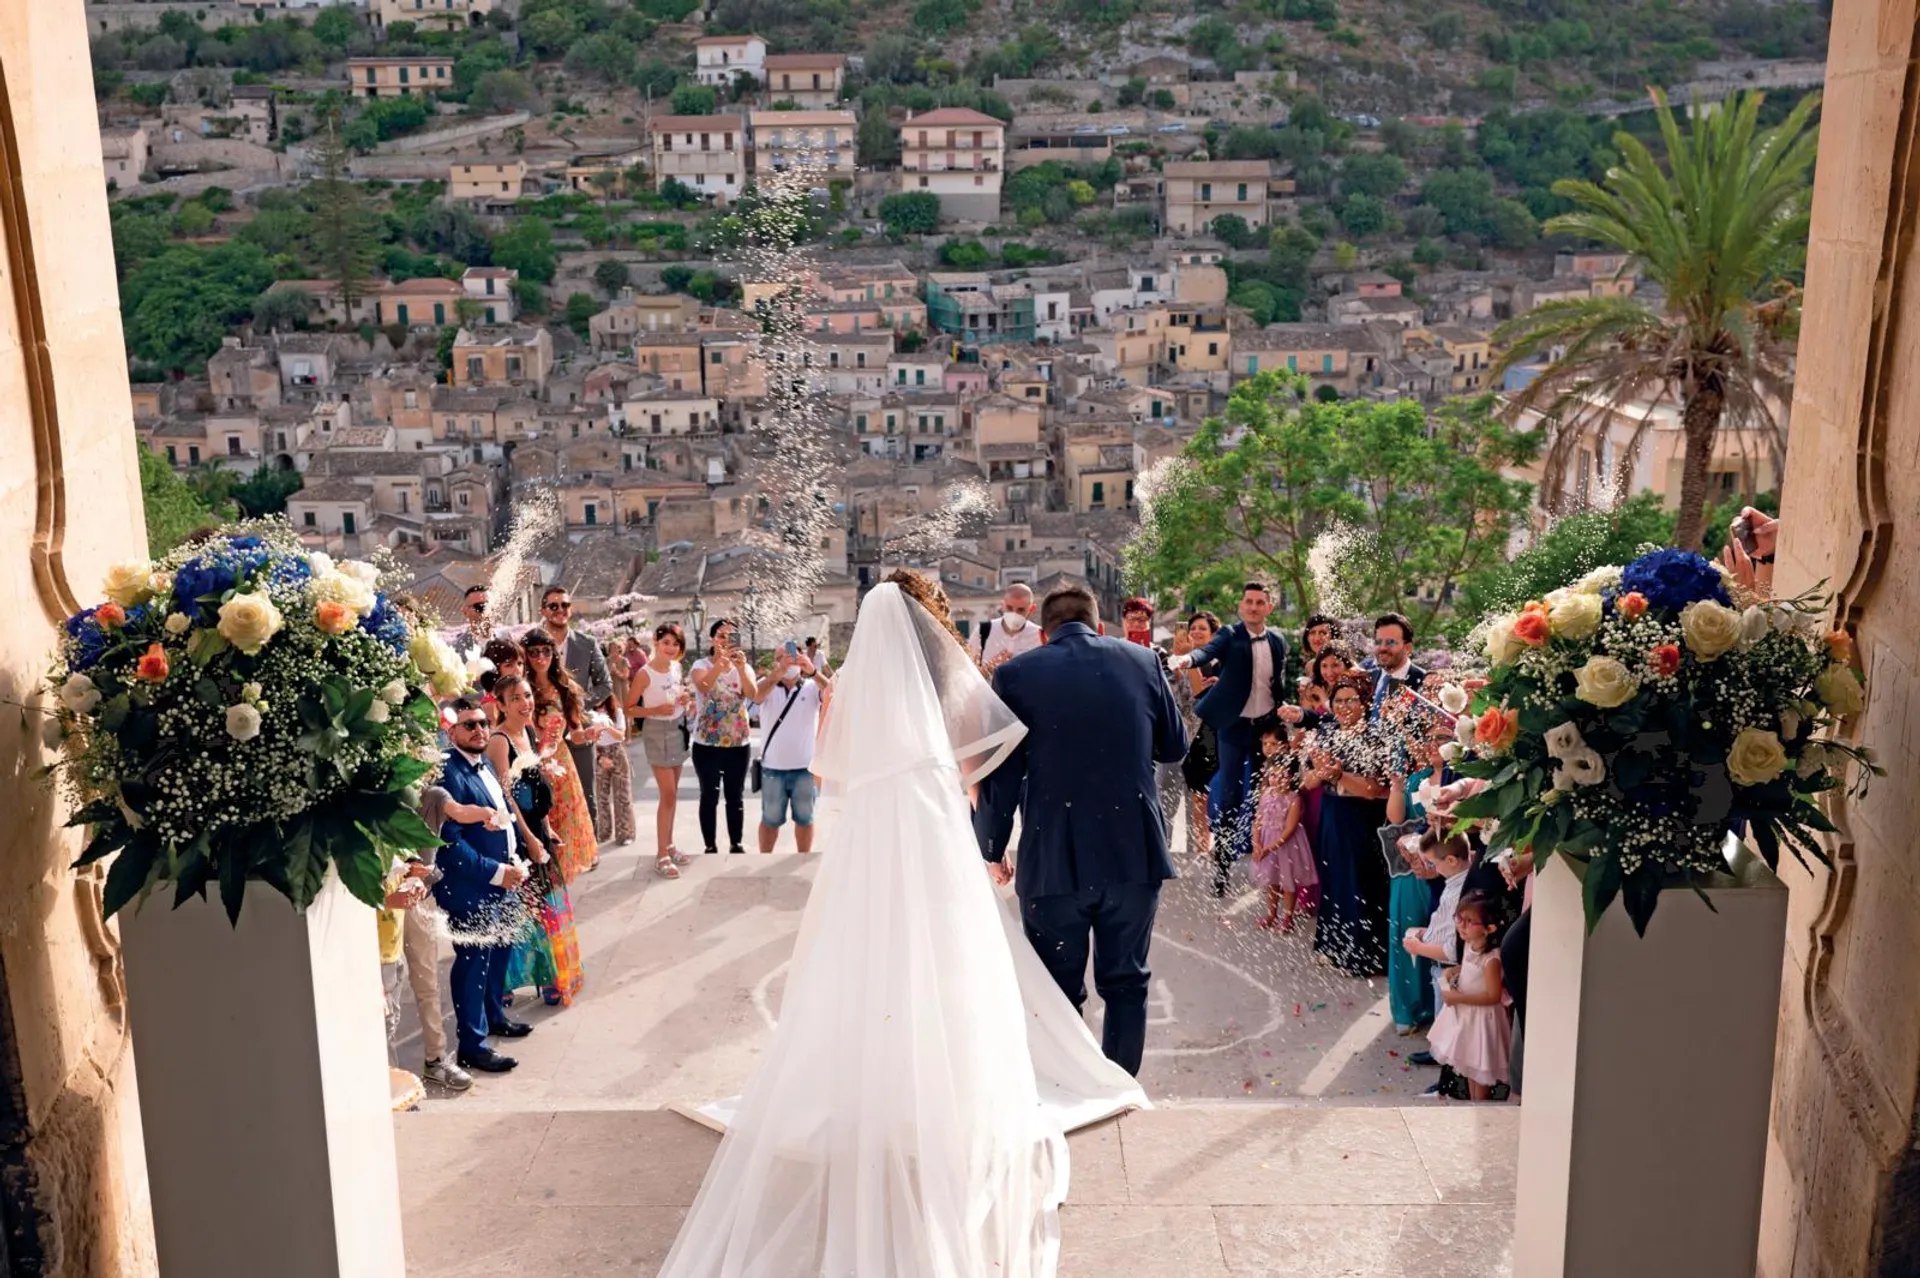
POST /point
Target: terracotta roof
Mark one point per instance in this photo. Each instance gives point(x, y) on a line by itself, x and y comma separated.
point(954, 115)
point(805, 61)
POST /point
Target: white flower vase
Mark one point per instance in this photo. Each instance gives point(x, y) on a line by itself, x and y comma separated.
point(261, 1055)
point(1648, 1077)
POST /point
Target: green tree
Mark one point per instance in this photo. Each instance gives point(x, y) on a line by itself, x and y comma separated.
point(966, 255)
point(695, 99)
point(1373, 173)
point(176, 307)
point(911, 212)
point(503, 91)
point(1423, 499)
point(550, 32)
point(1570, 548)
point(1232, 230)
point(335, 27)
point(1363, 215)
point(265, 492)
point(605, 57)
point(173, 511)
point(611, 275)
point(281, 308)
point(527, 247)
point(581, 307)
point(343, 226)
point(1723, 231)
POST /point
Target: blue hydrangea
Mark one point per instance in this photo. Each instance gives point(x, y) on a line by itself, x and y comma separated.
point(1669, 580)
point(386, 624)
point(86, 640)
point(217, 572)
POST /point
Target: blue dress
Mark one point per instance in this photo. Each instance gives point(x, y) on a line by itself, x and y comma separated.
point(1409, 904)
point(1352, 929)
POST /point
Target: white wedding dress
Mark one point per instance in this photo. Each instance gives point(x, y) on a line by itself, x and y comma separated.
point(909, 1117)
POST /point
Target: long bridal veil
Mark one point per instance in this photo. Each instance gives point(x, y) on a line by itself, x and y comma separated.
point(895, 1127)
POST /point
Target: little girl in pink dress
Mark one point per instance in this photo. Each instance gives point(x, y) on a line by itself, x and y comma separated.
point(1282, 860)
point(1474, 1033)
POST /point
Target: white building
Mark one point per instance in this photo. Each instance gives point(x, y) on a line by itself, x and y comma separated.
point(959, 155)
point(717, 60)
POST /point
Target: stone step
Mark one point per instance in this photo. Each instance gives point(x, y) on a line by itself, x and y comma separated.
point(1183, 1191)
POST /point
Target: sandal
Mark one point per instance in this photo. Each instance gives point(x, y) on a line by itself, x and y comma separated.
point(679, 857)
point(665, 867)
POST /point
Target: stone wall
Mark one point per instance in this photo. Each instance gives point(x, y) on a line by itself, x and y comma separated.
point(1840, 1199)
point(69, 506)
point(102, 18)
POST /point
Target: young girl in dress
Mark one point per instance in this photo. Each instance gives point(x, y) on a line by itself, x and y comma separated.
point(1282, 861)
point(1473, 1033)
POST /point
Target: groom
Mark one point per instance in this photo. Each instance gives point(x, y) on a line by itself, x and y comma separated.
point(1092, 854)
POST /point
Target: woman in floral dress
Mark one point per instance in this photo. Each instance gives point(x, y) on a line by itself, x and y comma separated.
point(561, 712)
point(547, 955)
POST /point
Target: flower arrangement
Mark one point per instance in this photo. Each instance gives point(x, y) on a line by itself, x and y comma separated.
point(1634, 719)
point(246, 710)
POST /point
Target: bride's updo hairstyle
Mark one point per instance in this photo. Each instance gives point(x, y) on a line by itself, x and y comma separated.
point(929, 594)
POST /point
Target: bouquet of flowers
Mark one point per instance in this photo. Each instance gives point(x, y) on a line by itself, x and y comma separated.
point(1634, 719)
point(246, 710)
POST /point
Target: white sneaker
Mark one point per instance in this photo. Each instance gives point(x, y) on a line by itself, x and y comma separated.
point(448, 1075)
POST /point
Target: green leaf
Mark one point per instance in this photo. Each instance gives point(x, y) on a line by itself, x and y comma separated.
point(405, 772)
point(108, 839)
point(128, 876)
point(1641, 893)
point(190, 880)
point(113, 713)
point(1768, 841)
point(209, 693)
point(233, 879)
point(1601, 886)
point(334, 696)
point(406, 830)
point(99, 812)
point(305, 862)
point(363, 870)
point(357, 705)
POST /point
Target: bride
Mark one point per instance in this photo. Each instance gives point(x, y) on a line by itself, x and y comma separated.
point(909, 1118)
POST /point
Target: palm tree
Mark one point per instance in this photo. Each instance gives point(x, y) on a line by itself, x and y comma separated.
point(1722, 230)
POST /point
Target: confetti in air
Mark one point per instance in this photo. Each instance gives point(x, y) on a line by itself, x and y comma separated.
point(965, 508)
point(536, 516)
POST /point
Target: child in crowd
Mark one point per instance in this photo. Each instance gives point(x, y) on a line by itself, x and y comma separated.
point(1450, 858)
point(1282, 861)
point(1473, 1035)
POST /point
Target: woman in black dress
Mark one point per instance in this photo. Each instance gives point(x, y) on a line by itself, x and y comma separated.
point(1350, 766)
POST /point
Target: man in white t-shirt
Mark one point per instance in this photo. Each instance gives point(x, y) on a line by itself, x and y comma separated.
point(1013, 633)
point(792, 697)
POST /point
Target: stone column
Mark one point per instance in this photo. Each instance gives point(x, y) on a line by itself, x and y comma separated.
point(73, 1185)
point(1841, 1162)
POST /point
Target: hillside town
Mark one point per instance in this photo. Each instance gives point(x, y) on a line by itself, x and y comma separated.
point(417, 406)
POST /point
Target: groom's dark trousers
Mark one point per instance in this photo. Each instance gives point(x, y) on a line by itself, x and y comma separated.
point(1093, 850)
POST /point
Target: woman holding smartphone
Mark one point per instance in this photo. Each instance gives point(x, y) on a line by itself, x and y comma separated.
point(723, 684)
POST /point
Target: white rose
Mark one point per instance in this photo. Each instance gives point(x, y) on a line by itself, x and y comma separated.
point(250, 693)
point(320, 564)
point(379, 711)
point(178, 623)
point(338, 587)
point(1564, 741)
point(1599, 580)
point(130, 583)
point(362, 571)
point(1754, 625)
point(1502, 647)
point(1839, 690)
point(1709, 629)
point(1581, 767)
point(53, 734)
point(1454, 699)
point(249, 621)
point(243, 722)
point(446, 683)
point(1756, 758)
point(79, 695)
point(395, 693)
point(425, 652)
point(1451, 751)
point(1463, 730)
point(1604, 682)
point(1573, 616)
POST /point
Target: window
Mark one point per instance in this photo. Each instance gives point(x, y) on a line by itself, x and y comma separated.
point(1099, 493)
point(1243, 191)
point(173, 459)
point(515, 368)
point(413, 399)
point(714, 357)
point(403, 75)
point(592, 513)
point(919, 377)
point(369, 75)
point(1293, 363)
point(1253, 365)
point(903, 377)
point(346, 522)
point(1206, 190)
point(890, 422)
point(860, 423)
point(859, 359)
point(1213, 348)
point(1326, 363)
point(923, 181)
point(309, 520)
point(193, 455)
point(476, 369)
point(440, 313)
point(233, 445)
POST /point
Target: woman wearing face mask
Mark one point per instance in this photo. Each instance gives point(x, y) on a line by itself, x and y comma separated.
point(1013, 633)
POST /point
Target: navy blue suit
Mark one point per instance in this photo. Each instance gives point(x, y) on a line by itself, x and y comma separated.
point(472, 855)
point(1093, 849)
point(1221, 706)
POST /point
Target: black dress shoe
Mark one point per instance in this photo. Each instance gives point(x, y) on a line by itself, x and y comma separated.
point(510, 1029)
point(737, 850)
point(713, 852)
point(487, 1061)
point(1422, 1058)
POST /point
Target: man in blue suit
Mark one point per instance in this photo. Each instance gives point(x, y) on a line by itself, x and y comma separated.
point(477, 871)
point(1252, 663)
point(1092, 855)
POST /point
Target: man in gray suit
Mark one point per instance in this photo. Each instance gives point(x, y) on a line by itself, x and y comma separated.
point(588, 666)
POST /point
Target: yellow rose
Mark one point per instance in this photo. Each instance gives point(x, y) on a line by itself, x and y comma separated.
point(249, 621)
point(1573, 614)
point(339, 587)
point(1839, 690)
point(130, 583)
point(425, 653)
point(1756, 758)
point(1709, 629)
point(445, 683)
point(1598, 581)
point(1502, 646)
point(1604, 682)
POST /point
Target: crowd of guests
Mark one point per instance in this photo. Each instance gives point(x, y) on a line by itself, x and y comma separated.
point(1321, 772)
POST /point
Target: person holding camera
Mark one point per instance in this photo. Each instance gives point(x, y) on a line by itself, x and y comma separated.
point(724, 684)
point(795, 694)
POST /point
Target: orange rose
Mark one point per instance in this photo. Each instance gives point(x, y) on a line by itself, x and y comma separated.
point(1496, 728)
point(153, 666)
point(1839, 643)
point(111, 616)
point(1530, 627)
point(1632, 604)
point(1664, 658)
point(334, 617)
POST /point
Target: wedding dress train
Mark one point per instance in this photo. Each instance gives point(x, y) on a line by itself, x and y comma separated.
point(909, 1117)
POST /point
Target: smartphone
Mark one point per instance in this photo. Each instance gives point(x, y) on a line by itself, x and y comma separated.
point(1742, 531)
point(792, 648)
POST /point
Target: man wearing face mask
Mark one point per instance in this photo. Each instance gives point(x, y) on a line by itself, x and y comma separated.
point(1014, 632)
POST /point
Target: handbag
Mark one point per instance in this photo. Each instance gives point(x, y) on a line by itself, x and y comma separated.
point(754, 778)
